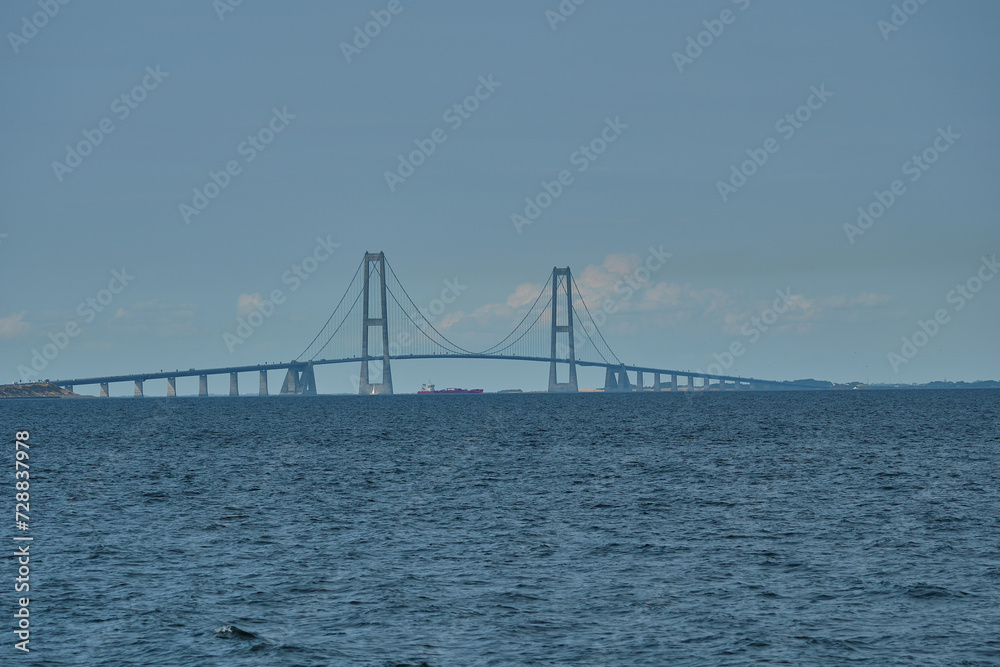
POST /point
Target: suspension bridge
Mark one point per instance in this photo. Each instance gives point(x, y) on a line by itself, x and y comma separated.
point(376, 323)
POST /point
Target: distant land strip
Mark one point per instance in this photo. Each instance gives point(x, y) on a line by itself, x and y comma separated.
point(36, 390)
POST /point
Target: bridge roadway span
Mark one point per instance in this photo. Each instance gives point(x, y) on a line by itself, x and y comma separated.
point(298, 366)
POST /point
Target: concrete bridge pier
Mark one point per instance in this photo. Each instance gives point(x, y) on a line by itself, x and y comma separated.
point(706, 384)
point(307, 382)
point(617, 379)
point(623, 381)
point(673, 382)
point(656, 382)
point(171, 387)
point(234, 384)
point(138, 388)
point(639, 386)
point(291, 383)
point(263, 383)
point(203, 385)
point(610, 382)
point(301, 381)
point(556, 387)
point(104, 390)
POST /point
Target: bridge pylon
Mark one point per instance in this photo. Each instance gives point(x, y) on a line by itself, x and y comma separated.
point(562, 278)
point(616, 379)
point(300, 380)
point(375, 261)
point(307, 381)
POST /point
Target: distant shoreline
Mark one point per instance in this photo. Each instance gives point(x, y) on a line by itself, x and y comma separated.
point(37, 390)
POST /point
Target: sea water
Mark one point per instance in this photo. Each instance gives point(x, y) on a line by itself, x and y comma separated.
point(732, 528)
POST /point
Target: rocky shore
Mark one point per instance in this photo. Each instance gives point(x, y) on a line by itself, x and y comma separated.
point(36, 390)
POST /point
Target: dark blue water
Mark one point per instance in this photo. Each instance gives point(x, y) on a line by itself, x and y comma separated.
point(655, 529)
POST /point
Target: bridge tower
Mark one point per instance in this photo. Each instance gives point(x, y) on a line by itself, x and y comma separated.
point(375, 261)
point(562, 278)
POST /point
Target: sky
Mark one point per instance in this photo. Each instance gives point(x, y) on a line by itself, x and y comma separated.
point(821, 175)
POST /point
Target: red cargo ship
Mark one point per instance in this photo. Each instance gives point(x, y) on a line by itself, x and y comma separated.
point(429, 389)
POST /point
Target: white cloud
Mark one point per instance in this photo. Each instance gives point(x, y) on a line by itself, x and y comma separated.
point(659, 303)
point(863, 300)
point(803, 312)
point(598, 282)
point(156, 318)
point(662, 295)
point(13, 326)
point(523, 295)
point(247, 303)
point(613, 280)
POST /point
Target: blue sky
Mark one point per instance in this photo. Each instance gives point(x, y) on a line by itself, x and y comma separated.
point(209, 79)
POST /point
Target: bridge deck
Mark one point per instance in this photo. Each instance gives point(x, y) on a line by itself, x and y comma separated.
point(322, 362)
